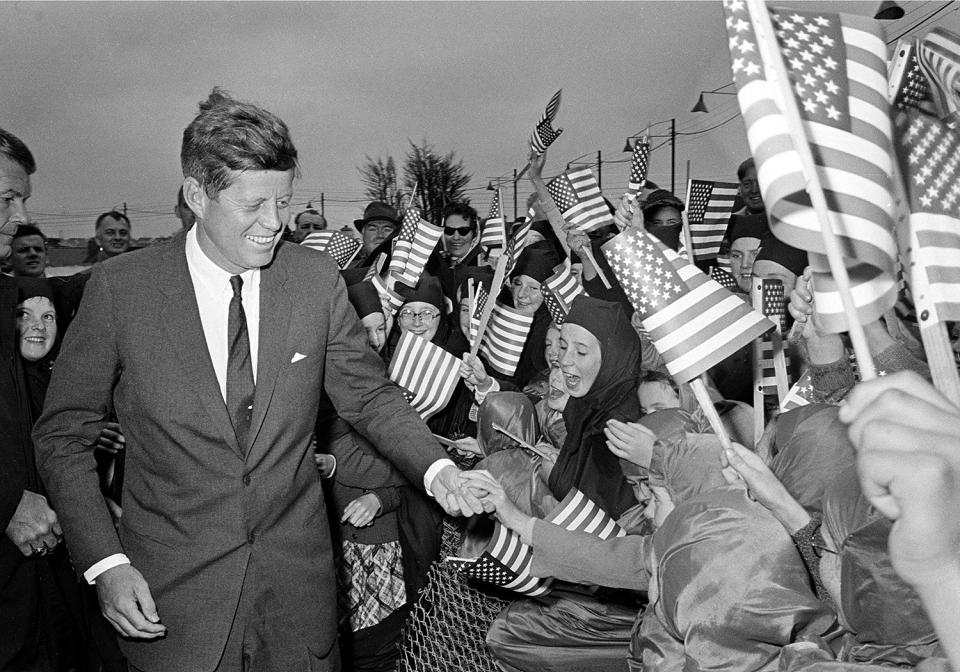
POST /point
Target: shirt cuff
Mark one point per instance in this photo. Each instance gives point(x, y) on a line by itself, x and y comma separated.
point(480, 396)
point(334, 470)
point(108, 562)
point(432, 472)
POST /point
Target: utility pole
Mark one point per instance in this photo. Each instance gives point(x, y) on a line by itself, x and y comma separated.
point(322, 205)
point(599, 170)
point(124, 208)
point(673, 156)
point(515, 178)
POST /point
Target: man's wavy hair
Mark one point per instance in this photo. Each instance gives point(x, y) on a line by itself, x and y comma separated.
point(14, 149)
point(230, 135)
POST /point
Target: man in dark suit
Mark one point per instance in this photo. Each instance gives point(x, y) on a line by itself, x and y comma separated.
point(214, 349)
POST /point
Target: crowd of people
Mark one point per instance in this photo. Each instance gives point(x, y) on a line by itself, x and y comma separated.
point(205, 467)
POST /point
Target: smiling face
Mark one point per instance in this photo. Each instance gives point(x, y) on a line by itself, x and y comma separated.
point(527, 297)
point(557, 395)
point(239, 228)
point(420, 318)
point(743, 252)
point(113, 235)
point(457, 235)
point(551, 341)
point(14, 192)
point(376, 327)
point(36, 327)
point(750, 191)
point(580, 358)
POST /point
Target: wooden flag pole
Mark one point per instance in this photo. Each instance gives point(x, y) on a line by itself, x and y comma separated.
point(498, 277)
point(703, 398)
point(587, 251)
point(687, 236)
point(763, 28)
point(412, 195)
point(471, 297)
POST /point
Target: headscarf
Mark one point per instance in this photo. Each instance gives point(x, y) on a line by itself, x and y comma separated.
point(884, 615)
point(733, 589)
point(775, 250)
point(748, 226)
point(364, 298)
point(536, 262)
point(685, 464)
point(585, 462)
point(550, 240)
point(427, 290)
point(810, 448)
point(668, 235)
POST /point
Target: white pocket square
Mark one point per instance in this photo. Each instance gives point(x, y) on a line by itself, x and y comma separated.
point(297, 357)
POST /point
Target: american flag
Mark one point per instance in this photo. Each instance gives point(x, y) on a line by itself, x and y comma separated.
point(480, 297)
point(507, 563)
point(939, 54)
point(579, 199)
point(544, 134)
point(340, 246)
point(692, 321)
point(929, 154)
point(426, 372)
point(638, 169)
point(494, 233)
point(388, 296)
point(559, 291)
point(724, 278)
point(801, 394)
point(709, 204)
point(518, 241)
point(907, 85)
point(502, 342)
point(413, 246)
point(837, 65)
point(768, 294)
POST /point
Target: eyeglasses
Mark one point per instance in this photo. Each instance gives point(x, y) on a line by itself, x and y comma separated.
point(463, 230)
point(423, 316)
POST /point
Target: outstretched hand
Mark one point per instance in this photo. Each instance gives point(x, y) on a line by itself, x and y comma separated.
point(764, 486)
point(631, 441)
point(126, 602)
point(496, 499)
point(453, 495)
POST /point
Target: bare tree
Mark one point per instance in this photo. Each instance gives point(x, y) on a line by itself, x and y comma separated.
point(439, 180)
point(380, 179)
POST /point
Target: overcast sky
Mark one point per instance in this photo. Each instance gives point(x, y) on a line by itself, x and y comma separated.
point(101, 92)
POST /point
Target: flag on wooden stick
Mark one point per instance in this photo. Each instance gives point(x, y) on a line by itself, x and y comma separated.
point(638, 168)
point(413, 246)
point(709, 205)
point(837, 68)
point(907, 85)
point(544, 134)
point(338, 245)
point(480, 297)
point(517, 242)
point(692, 321)
point(427, 373)
point(939, 54)
point(504, 338)
point(559, 291)
point(579, 199)
point(494, 233)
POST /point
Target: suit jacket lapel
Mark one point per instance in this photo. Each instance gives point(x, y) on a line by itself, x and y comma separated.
point(180, 317)
point(275, 306)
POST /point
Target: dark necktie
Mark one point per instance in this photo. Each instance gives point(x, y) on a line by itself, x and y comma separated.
point(239, 367)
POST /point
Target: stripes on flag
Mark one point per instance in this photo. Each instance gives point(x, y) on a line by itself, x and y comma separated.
point(413, 247)
point(709, 206)
point(518, 241)
point(772, 304)
point(480, 297)
point(426, 372)
point(907, 84)
point(929, 152)
point(340, 246)
point(559, 291)
point(579, 199)
point(939, 55)
point(837, 65)
point(693, 322)
point(508, 560)
point(494, 233)
point(801, 394)
point(388, 296)
point(502, 343)
point(543, 133)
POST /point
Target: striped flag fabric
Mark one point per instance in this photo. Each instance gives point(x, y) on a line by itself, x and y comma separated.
point(480, 297)
point(638, 168)
point(770, 298)
point(518, 241)
point(502, 342)
point(709, 206)
point(388, 296)
point(508, 561)
point(929, 152)
point(340, 246)
point(801, 394)
point(837, 66)
point(544, 134)
point(579, 199)
point(413, 246)
point(939, 54)
point(559, 291)
point(426, 372)
point(693, 322)
point(494, 233)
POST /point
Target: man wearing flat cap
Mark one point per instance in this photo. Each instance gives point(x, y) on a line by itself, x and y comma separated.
point(379, 221)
